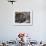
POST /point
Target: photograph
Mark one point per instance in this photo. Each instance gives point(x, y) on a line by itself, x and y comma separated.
point(22, 22)
point(23, 18)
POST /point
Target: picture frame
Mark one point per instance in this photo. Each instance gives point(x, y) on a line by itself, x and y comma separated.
point(23, 18)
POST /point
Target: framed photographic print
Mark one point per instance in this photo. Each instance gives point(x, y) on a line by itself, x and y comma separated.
point(23, 18)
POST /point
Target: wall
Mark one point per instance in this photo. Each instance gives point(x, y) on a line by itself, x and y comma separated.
point(9, 31)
